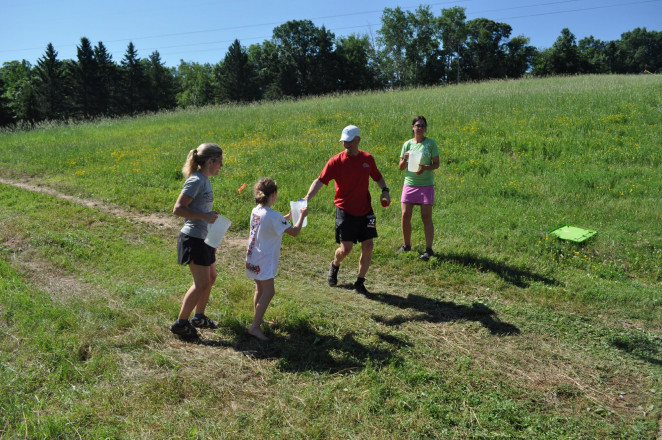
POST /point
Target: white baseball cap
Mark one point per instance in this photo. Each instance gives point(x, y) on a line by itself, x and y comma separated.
point(349, 133)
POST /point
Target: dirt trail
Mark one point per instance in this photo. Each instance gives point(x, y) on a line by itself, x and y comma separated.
point(63, 286)
point(160, 221)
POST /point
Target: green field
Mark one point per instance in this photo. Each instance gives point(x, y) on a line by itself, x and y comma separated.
point(507, 333)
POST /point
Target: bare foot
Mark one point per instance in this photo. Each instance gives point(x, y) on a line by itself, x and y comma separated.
point(257, 332)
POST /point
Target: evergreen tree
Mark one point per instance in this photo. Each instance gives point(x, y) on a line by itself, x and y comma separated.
point(235, 76)
point(134, 84)
point(51, 86)
point(163, 90)
point(86, 80)
point(108, 77)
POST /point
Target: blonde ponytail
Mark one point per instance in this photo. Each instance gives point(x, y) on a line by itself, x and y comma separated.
point(197, 157)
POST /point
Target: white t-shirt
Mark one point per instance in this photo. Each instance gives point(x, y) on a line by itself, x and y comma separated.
point(263, 253)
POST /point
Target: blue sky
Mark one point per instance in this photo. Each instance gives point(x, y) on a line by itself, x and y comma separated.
point(202, 30)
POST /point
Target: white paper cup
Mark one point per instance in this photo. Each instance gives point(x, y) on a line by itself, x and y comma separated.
point(216, 231)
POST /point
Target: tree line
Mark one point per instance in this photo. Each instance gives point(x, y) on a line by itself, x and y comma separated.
point(410, 49)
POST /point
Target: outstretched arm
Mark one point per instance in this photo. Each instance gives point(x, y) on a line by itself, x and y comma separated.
point(294, 230)
point(314, 187)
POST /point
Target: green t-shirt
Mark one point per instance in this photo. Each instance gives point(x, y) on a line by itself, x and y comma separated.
point(428, 149)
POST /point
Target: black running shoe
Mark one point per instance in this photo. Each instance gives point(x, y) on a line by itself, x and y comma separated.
point(360, 288)
point(332, 278)
point(185, 331)
point(404, 248)
point(425, 256)
point(204, 322)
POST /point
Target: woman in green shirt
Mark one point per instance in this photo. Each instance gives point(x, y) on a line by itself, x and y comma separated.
point(418, 187)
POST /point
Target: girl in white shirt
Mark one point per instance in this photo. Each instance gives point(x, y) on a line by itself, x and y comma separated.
point(267, 228)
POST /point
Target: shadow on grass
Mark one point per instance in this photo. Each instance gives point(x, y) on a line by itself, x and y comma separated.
point(298, 347)
point(434, 311)
point(640, 346)
point(513, 275)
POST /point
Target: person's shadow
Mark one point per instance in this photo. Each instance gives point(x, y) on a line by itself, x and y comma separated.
point(517, 276)
point(434, 311)
point(640, 346)
point(299, 347)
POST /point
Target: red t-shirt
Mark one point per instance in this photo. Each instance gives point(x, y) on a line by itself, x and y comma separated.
point(352, 175)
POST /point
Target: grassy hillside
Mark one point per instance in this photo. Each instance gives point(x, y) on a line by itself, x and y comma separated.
point(507, 333)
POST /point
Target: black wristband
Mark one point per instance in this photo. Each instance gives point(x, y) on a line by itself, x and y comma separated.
point(385, 189)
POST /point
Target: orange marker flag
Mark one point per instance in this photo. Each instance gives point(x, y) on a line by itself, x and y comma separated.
point(241, 188)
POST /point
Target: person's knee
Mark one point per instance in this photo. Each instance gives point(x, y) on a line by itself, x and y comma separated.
point(367, 247)
point(202, 285)
point(346, 247)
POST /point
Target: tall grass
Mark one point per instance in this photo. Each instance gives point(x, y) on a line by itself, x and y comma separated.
point(509, 332)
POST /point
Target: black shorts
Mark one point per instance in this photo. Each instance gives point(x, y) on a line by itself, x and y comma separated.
point(352, 228)
point(194, 250)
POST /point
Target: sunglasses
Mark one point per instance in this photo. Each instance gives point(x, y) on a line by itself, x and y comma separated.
point(420, 125)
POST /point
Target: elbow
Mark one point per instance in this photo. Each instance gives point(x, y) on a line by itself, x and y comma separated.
point(292, 231)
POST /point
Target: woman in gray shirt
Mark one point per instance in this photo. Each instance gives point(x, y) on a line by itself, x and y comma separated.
point(195, 205)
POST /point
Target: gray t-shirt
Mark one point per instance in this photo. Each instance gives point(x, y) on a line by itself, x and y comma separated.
point(199, 188)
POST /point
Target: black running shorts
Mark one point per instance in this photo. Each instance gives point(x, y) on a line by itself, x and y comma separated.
point(353, 228)
point(194, 250)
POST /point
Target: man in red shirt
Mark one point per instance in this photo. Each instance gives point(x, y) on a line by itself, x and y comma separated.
point(352, 170)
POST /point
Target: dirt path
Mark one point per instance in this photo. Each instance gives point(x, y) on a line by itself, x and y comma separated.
point(160, 221)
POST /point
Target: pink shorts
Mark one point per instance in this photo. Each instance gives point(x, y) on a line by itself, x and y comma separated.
point(418, 195)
